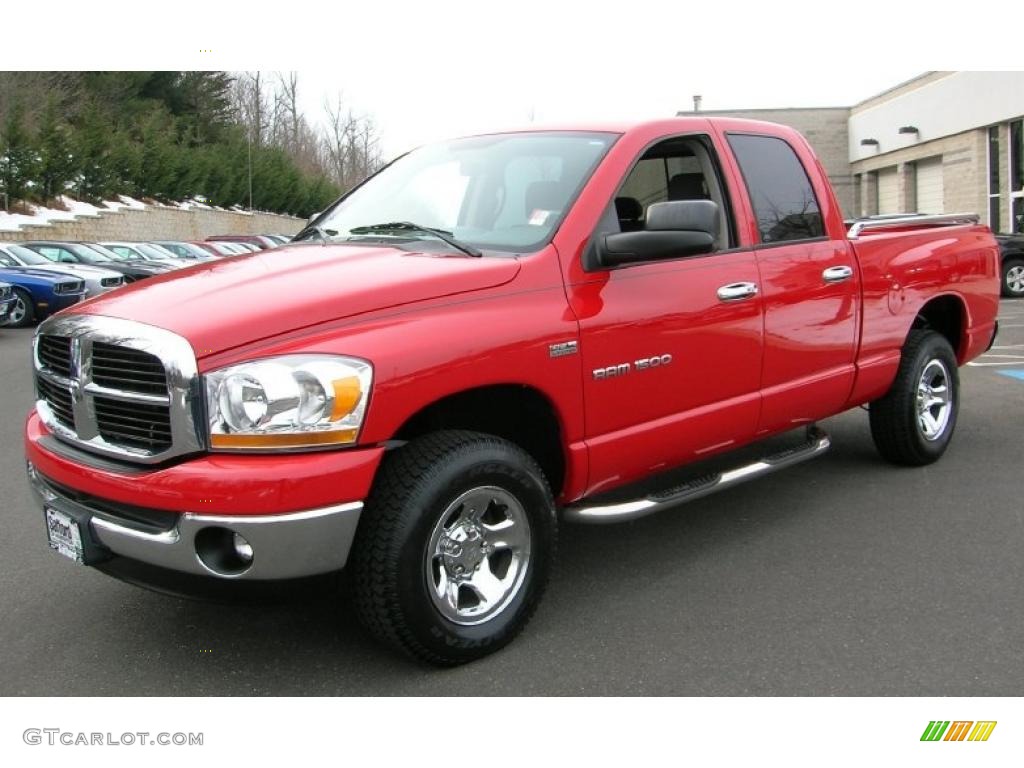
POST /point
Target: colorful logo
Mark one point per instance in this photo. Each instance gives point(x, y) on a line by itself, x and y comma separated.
point(958, 730)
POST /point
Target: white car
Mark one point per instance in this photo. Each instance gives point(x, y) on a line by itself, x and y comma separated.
point(97, 280)
point(147, 252)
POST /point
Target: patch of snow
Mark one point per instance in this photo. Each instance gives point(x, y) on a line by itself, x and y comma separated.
point(131, 202)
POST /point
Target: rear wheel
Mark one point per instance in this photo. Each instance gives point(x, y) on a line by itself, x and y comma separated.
point(454, 546)
point(914, 422)
point(1013, 278)
point(22, 314)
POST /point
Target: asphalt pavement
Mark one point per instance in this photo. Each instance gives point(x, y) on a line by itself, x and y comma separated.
point(843, 576)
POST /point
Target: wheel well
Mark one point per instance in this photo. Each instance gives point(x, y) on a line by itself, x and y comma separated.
point(519, 414)
point(944, 315)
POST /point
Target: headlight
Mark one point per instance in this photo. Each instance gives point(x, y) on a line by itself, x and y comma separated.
point(294, 401)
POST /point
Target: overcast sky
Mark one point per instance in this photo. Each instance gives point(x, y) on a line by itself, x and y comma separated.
point(411, 109)
point(430, 69)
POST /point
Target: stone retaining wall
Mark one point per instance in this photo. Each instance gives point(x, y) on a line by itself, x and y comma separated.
point(157, 223)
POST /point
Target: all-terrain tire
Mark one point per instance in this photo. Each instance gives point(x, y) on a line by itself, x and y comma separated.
point(903, 433)
point(412, 497)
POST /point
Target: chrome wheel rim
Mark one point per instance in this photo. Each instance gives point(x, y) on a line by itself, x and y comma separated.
point(934, 400)
point(1015, 279)
point(18, 313)
point(478, 555)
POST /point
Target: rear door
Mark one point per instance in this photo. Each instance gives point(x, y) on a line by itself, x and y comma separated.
point(809, 282)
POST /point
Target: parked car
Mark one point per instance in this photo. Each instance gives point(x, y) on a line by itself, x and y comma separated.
point(81, 253)
point(146, 253)
point(184, 250)
point(678, 290)
point(39, 293)
point(217, 250)
point(1011, 248)
point(261, 241)
point(6, 302)
point(98, 280)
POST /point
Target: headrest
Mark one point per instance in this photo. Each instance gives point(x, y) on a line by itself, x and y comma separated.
point(628, 208)
point(687, 186)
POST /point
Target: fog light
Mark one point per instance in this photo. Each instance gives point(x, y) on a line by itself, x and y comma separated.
point(243, 548)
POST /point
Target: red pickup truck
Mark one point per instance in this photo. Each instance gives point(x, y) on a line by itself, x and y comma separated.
point(490, 336)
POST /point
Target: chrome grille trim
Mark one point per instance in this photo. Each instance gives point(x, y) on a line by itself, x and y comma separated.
point(181, 395)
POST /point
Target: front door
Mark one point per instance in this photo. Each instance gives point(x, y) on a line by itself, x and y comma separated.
point(671, 350)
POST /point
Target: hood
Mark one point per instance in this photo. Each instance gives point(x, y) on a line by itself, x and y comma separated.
point(77, 270)
point(231, 302)
point(38, 273)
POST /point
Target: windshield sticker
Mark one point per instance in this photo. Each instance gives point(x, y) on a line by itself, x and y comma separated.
point(539, 218)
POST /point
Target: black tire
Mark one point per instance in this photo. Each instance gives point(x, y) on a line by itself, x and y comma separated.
point(24, 299)
point(896, 428)
point(388, 565)
point(1016, 265)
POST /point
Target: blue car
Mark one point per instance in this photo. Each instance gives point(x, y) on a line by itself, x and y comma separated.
point(38, 294)
point(6, 302)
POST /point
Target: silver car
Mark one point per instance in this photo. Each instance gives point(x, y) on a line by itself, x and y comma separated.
point(97, 280)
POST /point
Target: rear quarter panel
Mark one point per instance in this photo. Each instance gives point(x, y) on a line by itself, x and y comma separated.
point(903, 271)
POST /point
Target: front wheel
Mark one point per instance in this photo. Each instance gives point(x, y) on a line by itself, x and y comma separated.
point(454, 547)
point(914, 422)
point(22, 313)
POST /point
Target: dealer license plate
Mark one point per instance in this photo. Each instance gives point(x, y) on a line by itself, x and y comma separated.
point(65, 536)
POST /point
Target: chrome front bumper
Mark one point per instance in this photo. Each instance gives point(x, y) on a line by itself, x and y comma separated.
point(285, 546)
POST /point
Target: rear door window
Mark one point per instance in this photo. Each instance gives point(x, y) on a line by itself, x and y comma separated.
point(784, 201)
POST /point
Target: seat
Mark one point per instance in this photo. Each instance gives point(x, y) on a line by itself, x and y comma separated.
point(630, 213)
point(687, 186)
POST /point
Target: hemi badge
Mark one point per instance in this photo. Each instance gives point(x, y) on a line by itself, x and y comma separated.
point(563, 348)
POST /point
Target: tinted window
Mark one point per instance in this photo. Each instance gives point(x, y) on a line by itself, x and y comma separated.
point(783, 199)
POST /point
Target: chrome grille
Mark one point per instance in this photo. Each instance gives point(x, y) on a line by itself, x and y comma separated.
point(137, 424)
point(125, 368)
point(55, 354)
point(58, 397)
point(118, 387)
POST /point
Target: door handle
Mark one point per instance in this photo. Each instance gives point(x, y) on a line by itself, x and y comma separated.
point(837, 274)
point(737, 291)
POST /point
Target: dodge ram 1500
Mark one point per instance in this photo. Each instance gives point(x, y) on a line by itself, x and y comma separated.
point(491, 336)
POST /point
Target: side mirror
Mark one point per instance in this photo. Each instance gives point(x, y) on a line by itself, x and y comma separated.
point(674, 229)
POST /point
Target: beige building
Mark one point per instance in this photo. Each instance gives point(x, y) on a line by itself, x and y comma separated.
point(944, 142)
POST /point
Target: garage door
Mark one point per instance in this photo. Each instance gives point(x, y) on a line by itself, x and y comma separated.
point(929, 185)
point(888, 197)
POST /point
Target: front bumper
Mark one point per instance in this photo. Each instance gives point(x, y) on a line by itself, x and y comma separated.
point(284, 546)
point(6, 305)
point(298, 512)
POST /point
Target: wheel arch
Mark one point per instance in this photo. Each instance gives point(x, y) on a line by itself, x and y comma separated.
point(948, 316)
point(519, 413)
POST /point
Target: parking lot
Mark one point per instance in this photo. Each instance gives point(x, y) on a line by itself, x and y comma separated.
point(843, 576)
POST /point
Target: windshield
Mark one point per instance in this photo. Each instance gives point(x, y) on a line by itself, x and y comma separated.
point(27, 255)
point(505, 192)
point(85, 254)
point(153, 252)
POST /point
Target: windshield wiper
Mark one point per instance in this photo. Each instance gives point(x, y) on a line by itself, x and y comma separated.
point(324, 234)
point(408, 226)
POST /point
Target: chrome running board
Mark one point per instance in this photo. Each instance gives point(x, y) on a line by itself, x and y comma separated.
point(584, 512)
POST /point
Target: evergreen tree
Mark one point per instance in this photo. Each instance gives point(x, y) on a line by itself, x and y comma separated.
point(18, 158)
point(56, 159)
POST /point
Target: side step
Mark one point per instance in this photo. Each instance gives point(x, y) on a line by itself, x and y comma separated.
point(817, 443)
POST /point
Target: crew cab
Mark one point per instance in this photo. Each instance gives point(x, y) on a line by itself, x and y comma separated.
point(491, 337)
